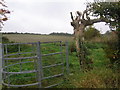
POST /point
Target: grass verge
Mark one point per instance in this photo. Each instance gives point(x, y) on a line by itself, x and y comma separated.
point(101, 76)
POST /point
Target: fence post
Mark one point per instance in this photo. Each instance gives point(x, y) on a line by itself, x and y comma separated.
point(6, 49)
point(7, 69)
point(39, 64)
point(0, 65)
point(19, 50)
point(62, 58)
point(67, 58)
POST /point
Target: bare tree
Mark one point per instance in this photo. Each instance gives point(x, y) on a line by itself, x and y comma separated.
point(79, 23)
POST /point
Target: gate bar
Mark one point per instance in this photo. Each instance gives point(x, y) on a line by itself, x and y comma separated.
point(67, 58)
point(18, 54)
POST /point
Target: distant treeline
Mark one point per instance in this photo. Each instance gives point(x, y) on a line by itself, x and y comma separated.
point(64, 34)
point(22, 33)
point(54, 33)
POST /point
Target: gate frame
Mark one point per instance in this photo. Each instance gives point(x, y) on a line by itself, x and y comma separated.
point(39, 65)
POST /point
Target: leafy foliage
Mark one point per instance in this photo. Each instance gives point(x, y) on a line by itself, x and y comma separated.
point(101, 76)
point(5, 40)
point(110, 11)
point(91, 32)
point(12, 48)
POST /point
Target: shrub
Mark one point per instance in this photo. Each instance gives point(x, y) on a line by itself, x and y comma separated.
point(13, 48)
point(91, 32)
point(112, 50)
point(72, 47)
point(5, 40)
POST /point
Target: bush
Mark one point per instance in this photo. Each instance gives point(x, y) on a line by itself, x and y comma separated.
point(5, 40)
point(94, 45)
point(13, 48)
point(112, 50)
point(72, 47)
point(91, 32)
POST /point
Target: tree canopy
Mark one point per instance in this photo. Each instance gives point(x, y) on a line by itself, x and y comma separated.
point(108, 10)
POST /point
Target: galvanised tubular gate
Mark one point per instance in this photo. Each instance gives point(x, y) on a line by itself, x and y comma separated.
point(37, 59)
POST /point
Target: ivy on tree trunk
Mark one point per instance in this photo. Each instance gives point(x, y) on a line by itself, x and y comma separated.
point(79, 23)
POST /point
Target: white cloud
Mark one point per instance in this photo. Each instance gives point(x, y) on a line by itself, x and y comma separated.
point(32, 1)
point(102, 27)
point(42, 16)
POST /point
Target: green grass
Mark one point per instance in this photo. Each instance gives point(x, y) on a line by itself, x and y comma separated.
point(0, 86)
point(99, 58)
point(101, 76)
point(46, 60)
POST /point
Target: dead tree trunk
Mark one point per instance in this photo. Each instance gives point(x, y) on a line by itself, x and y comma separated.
point(79, 23)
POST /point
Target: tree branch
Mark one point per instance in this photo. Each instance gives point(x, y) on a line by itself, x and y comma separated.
point(83, 16)
point(87, 13)
point(71, 16)
point(1, 2)
point(102, 19)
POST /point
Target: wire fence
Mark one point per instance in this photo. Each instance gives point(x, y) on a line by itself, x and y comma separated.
point(34, 64)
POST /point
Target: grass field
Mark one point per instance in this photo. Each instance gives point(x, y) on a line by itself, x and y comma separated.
point(0, 86)
point(22, 79)
point(101, 76)
point(35, 38)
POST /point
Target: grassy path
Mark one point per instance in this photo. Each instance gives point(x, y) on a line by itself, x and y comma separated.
point(99, 58)
point(99, 77)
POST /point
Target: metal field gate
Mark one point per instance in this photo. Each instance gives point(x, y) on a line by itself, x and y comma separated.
point(36, 64)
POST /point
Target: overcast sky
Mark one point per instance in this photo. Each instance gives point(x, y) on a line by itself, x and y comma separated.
point(44, 16)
